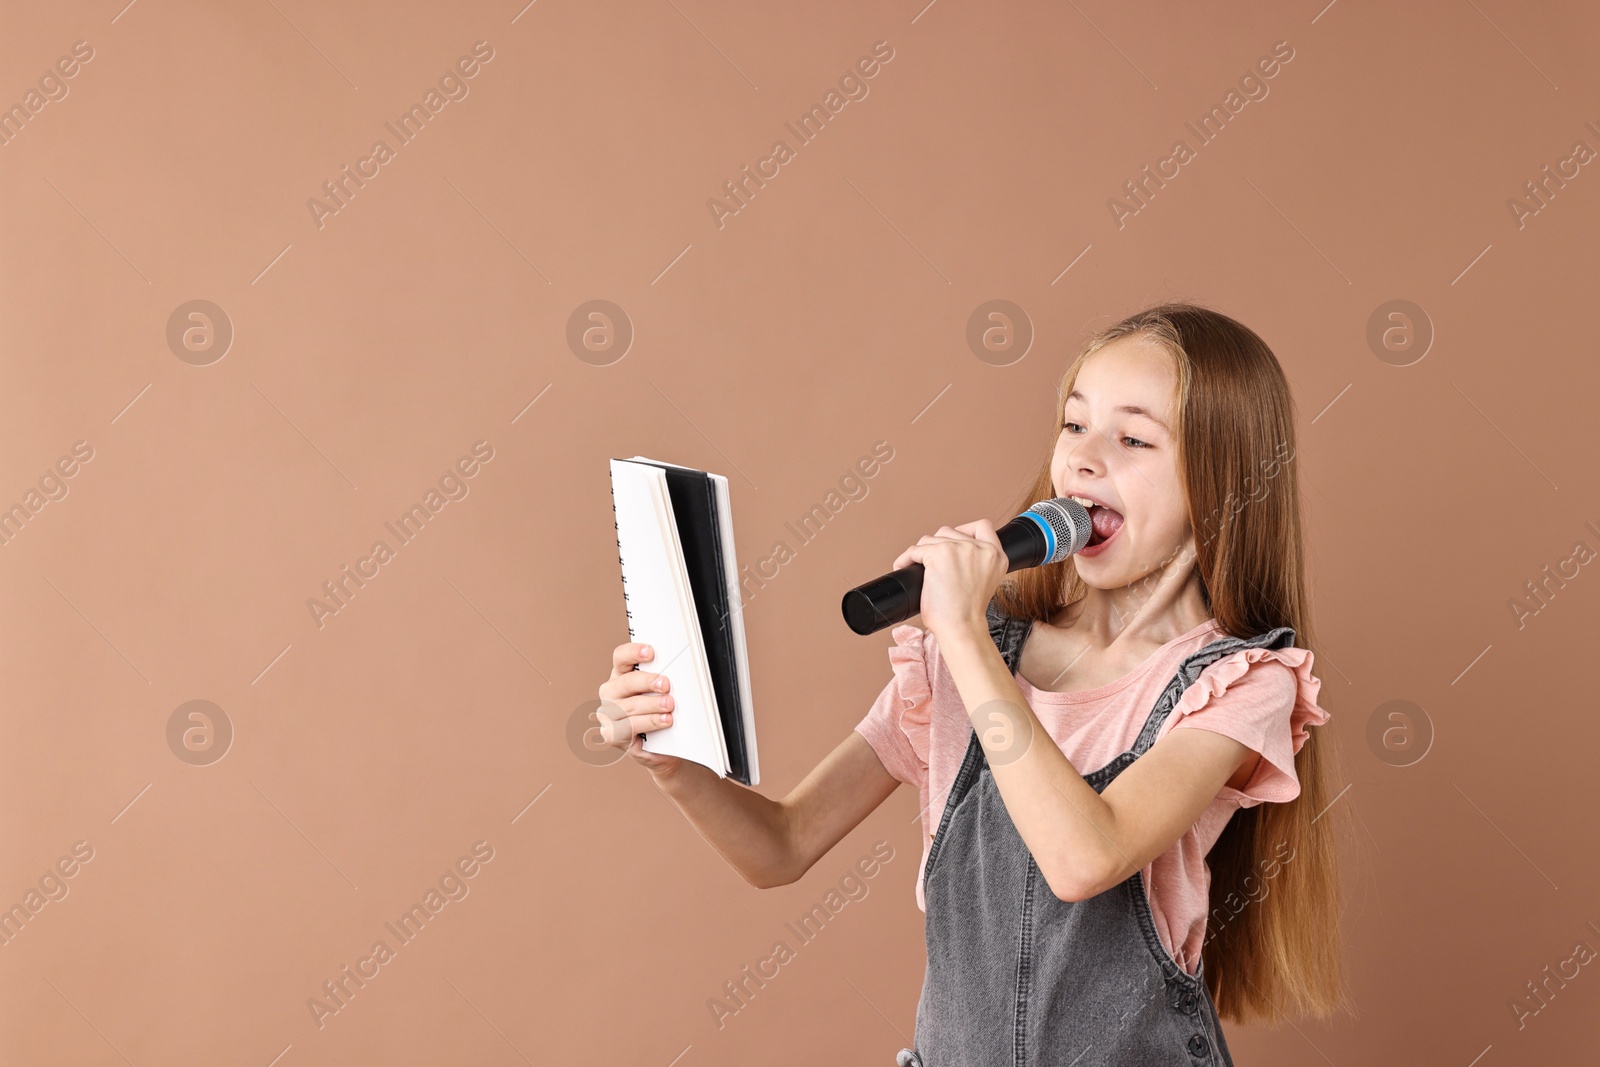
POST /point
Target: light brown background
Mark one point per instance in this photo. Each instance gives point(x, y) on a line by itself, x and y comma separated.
point(370, 353)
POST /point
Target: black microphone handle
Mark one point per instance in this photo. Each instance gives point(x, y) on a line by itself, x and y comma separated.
point(884, 601)
point(897, 596)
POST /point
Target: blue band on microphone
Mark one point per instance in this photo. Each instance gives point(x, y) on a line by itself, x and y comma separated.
point(1049, 534)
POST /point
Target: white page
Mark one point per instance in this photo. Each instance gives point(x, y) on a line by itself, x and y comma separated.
point(730, 566)
point(663, 614)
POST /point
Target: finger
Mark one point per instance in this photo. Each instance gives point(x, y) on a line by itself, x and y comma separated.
point(649, 759)
point(958, 533)
point(923, 542)
point(982, 530)
point(618, 725)
point(645, 704)
point(630, 683)
point(627, 657)
point(908, 557)
point(928, 539)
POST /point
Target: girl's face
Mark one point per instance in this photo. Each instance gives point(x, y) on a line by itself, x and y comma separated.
point(1118, 449)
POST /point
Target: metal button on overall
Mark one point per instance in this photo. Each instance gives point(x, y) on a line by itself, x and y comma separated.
point(1018, 977)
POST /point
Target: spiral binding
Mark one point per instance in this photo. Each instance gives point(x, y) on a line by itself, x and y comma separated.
point(621, 563)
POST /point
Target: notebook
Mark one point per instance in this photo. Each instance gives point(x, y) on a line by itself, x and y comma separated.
point(680, 588)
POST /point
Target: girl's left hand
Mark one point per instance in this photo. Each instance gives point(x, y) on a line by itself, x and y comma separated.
point(962, 567)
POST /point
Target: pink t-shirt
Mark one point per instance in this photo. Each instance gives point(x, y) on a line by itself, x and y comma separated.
point(1263, 698)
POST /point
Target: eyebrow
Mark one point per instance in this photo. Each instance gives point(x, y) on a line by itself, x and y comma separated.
point(1131, 409)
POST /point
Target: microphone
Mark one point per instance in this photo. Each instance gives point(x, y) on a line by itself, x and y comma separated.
point(1048, 532)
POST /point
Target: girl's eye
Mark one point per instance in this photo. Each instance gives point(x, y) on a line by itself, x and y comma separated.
point(1136, 443)
point(1072, 427)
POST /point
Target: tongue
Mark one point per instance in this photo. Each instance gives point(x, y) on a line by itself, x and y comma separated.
point(1105, 521)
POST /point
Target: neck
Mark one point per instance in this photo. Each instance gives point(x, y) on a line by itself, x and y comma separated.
point(1162, 605)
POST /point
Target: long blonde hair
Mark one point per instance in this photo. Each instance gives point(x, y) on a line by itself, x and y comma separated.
point(1279, 951)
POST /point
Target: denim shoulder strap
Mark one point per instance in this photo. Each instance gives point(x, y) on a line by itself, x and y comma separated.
point(1189, 671)
point(1009, 634)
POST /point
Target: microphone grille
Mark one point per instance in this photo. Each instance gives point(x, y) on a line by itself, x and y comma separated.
point(1069, 521)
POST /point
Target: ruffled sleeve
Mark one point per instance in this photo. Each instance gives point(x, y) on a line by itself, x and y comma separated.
point(1266, 699)
point(897, 725)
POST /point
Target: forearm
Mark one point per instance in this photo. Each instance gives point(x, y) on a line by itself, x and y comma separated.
point(1067, 826)
point(747, 829)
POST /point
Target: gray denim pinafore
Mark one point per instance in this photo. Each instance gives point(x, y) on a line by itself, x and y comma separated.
point(1017, 977)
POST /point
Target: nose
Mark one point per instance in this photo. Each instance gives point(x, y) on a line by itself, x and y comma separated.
point(1087, 454)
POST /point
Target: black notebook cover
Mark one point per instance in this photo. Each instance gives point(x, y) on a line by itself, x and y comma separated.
point(694, 507)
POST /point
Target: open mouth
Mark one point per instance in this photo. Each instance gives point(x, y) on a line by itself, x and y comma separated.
point(1104, 522)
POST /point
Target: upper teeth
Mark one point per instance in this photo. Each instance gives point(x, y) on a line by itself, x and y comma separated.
point(1085, 501)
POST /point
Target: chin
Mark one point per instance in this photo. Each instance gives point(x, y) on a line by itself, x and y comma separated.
point(1112, 567)
point(1097, 577)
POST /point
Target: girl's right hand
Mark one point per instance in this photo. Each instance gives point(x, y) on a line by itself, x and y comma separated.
point(634, 702)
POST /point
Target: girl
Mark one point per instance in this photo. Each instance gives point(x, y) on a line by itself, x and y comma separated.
point(1127, 818)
